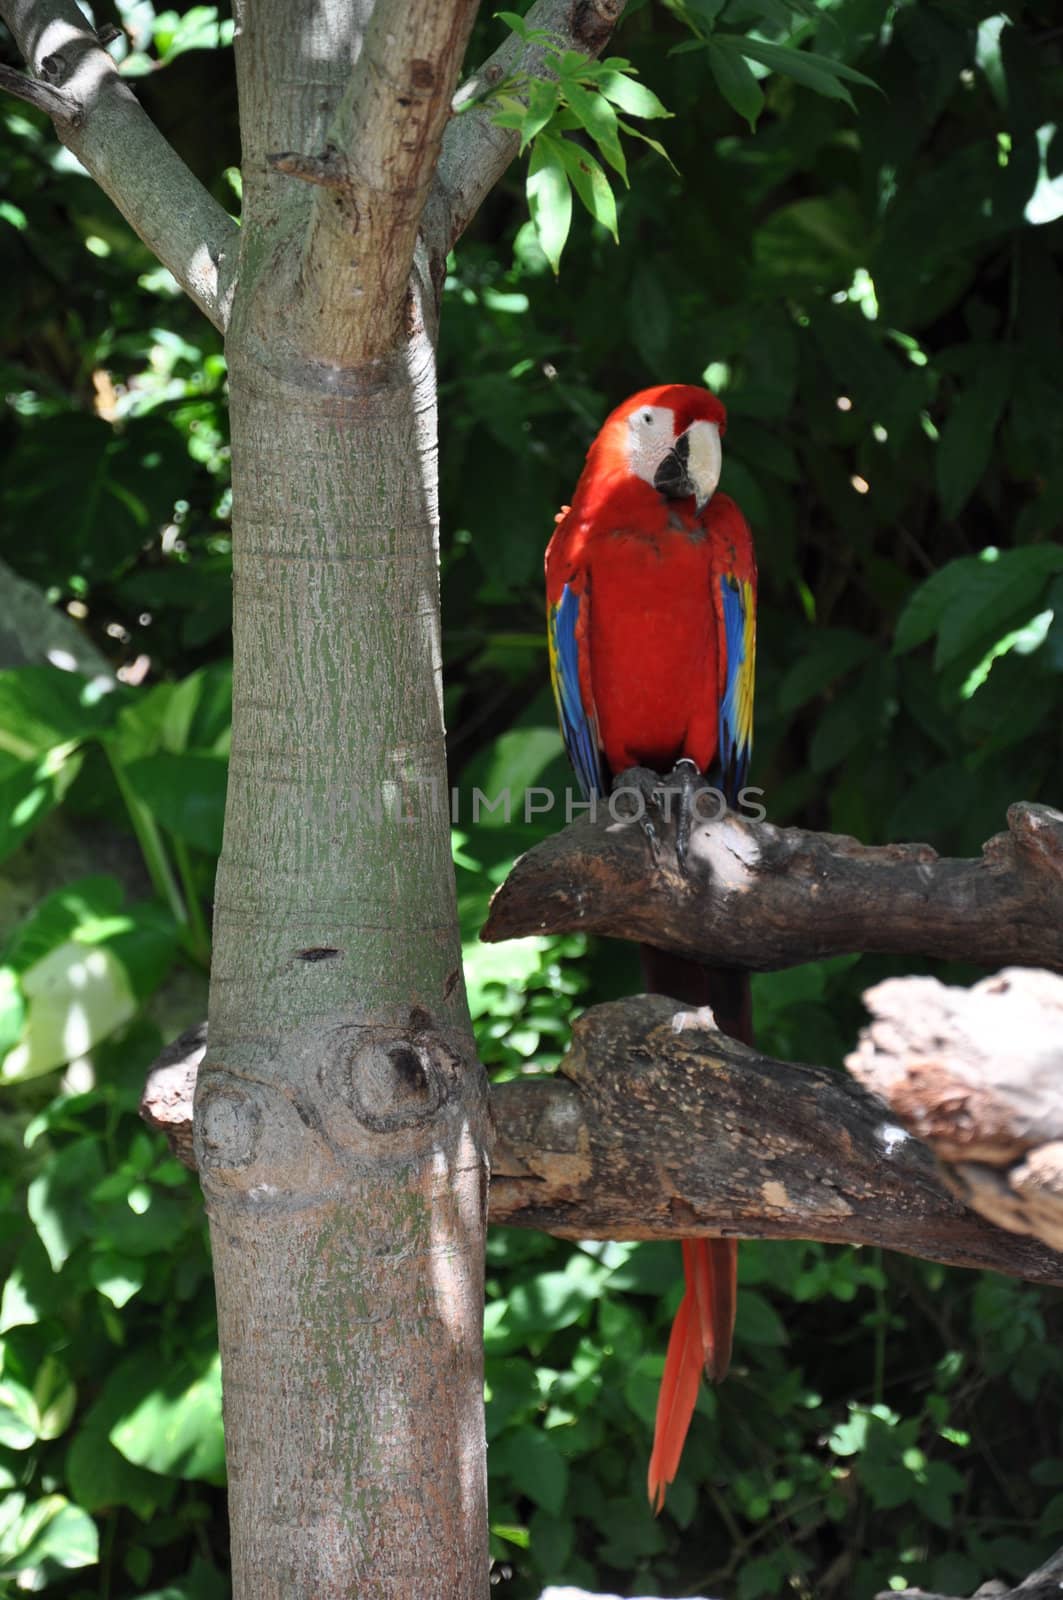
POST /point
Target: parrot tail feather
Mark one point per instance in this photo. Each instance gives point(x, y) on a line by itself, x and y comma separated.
point(700, 1339)
point(704, 1325)
point(675, 1402)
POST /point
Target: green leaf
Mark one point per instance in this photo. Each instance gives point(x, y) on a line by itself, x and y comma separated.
point(597, 116)
point(534, 1465)
point(32, 1291)
point(41, 707)
point(706, 11)
point(549, 198)
point(186, 793)
point(145, 941)
point(58, 1201)
point(630, 96)
point(145, 1221)
point(170, 1417)
point(855, 717)
point(99, 1477)
point(591, 184)
point(108, 489)
point(197, 713)
point(736, 82)
point(757, 1321)
point(62, 916)
point(49, 1531)
point(18, 1416)
point(542, 103)
point(967, 437)
point(29, 791)
point(977, 599)
point(518, 25)
point(926, 606)
point(54, 1397)
point(117, 1277)
point(12, 1009)
point(552, 1300)
point(655, 144)
point(994, 593)
point(75, 996)
point(203, 1582)
point(813, 72)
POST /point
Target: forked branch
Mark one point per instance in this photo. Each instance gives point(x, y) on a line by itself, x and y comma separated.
point(373, 176)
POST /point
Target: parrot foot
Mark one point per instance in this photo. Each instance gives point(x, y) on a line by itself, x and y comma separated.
point(642, 786)
point(689, 784)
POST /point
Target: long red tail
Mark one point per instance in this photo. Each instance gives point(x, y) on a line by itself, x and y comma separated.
point(704, 1324)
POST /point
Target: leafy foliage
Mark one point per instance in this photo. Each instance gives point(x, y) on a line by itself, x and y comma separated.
point(876, 296)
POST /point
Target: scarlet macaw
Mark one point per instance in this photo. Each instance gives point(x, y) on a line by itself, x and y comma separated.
point(651, 620)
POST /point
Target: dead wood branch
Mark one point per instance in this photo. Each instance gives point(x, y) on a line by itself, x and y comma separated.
point(977, 1075)
point(652, 1133)
point(763, 897)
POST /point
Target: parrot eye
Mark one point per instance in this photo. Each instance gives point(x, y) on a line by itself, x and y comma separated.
point(647, 417)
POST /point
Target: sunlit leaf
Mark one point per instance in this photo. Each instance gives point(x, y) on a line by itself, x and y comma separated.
point(549, 198)
point(590, 183)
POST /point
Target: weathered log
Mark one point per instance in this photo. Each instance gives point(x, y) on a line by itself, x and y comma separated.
point(762, 897)
point(977, 1075)
point(655, 1131)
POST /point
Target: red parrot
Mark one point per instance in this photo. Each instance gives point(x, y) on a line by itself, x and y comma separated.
point(651, 585)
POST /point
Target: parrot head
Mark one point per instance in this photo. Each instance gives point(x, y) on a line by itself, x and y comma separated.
point(669, 436)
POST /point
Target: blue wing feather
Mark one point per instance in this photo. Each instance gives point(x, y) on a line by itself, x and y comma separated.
point(579, 726)
point(736, 703)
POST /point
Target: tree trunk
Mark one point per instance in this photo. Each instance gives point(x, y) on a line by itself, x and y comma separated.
point(341, 1110)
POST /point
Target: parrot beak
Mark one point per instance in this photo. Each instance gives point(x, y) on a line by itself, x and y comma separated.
point(692, 466)
point(704, 461)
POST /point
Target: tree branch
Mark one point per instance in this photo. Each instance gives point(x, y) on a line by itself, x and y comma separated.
point(53, 102)
point(762, 897)
point(475, 152)
point(977, 1074)
point(652, 1133)
point(98, 117)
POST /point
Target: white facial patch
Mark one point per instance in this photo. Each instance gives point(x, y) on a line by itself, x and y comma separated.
point(650, 436)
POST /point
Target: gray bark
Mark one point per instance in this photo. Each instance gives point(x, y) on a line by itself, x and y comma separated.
point(341, 1110)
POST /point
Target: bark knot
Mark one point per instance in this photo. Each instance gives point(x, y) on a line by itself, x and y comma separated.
point(399, 1079)
point(228, 1127)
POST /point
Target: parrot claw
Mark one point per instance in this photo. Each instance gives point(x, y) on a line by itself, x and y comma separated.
point(686, 780)
point(643, 785)
point(654, 795)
